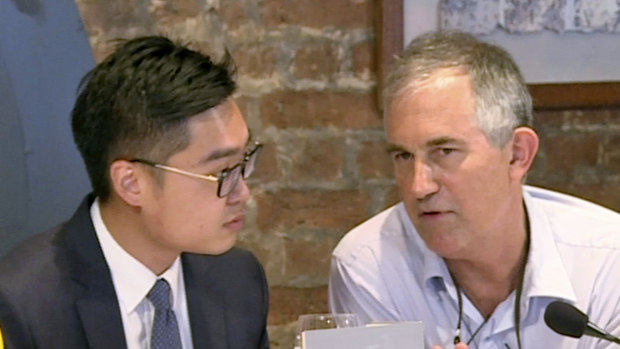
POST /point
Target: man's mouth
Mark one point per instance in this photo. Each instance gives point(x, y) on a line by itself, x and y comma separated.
point(236, 223)
point(432, 213)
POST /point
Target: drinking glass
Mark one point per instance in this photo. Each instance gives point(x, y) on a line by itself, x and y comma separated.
point(323, 321)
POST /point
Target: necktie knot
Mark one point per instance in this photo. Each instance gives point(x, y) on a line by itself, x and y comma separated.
point(159, 295)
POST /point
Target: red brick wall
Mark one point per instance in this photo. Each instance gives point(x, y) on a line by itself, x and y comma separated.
point(580, 154)
point(307, 88)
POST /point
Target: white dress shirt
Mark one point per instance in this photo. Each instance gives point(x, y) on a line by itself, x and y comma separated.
point(383, 271)
point(132, 282)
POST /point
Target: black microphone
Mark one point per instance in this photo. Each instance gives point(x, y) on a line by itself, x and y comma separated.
point(567, 320)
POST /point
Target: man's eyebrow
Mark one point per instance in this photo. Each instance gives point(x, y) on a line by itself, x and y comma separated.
point(435, 142)
point(392, 148)
point(226, 152)
point(222, 153)
point(442, 141)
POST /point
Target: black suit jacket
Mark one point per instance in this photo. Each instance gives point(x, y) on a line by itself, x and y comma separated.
point(56, 291)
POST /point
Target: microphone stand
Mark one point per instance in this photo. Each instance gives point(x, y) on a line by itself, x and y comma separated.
point(595, 331)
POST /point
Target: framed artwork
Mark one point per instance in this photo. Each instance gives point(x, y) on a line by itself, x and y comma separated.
point(598, 93)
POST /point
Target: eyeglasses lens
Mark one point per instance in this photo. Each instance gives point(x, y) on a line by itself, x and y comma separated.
point(245, 169)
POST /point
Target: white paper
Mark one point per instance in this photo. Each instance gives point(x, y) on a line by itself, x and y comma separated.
point(397, 335)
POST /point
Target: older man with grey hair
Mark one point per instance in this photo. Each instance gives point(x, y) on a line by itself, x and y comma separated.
point(471, 251)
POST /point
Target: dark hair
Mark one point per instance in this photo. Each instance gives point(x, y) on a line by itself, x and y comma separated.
point(137, 102)
point(502, 99)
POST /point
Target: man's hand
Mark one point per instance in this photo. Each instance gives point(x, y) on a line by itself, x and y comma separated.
point(458, 346)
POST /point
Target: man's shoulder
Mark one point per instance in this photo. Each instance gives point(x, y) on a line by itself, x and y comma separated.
point(45, 251)
point(387, 225)
point(33, 255)
point(575, 220)
point(35, 272)
point(567, 206)
point(559, 200)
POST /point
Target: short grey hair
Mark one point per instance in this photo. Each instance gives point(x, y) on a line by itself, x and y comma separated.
point(501, 98)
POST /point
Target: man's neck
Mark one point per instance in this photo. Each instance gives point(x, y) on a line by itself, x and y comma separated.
point(124, 224)
point(488, 278)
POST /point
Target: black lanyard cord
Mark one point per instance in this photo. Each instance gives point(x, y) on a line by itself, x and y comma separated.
point(518, 292)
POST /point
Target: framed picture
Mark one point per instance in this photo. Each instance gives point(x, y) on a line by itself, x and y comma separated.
point(562, 94)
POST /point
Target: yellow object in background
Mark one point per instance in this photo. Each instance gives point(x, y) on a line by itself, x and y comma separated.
point(1, 340)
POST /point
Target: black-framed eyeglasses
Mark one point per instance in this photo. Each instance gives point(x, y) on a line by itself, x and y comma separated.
point(227, 179)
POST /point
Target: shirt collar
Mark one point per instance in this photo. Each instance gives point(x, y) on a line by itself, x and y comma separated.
point(545, 275)
point(132, 279)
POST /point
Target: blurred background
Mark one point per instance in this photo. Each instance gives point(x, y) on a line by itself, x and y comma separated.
point(307, 71)
point(44, 52)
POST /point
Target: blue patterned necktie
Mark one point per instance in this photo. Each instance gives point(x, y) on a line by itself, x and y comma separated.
point(165, 332)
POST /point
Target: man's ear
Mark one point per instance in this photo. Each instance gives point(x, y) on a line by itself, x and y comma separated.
point(126, 179)
point(524, 148)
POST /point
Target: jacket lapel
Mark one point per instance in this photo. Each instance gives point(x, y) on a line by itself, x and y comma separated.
point(101, 321)
point(205, 305)
point(97, 305)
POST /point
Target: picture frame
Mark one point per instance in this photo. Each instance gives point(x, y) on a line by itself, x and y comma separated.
point(564, 95)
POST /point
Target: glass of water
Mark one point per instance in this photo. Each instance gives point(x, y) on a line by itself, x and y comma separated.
point(323, 321)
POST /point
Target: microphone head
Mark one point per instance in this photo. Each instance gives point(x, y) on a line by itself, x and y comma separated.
point(565, 319)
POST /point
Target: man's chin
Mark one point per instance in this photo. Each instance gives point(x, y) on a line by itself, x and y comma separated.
point(215, 250)
point(443, 244)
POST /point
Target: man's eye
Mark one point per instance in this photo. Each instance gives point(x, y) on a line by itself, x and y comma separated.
point(402, 156)
point(446, 151)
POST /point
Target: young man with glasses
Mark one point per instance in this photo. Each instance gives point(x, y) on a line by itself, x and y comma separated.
point(147, 261)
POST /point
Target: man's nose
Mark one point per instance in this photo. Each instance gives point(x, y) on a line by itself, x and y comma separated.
point(241, 192)
point(423, 183)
